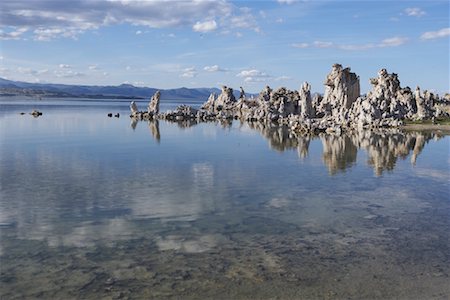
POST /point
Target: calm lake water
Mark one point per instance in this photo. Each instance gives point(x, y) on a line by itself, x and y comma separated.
point(93, 207)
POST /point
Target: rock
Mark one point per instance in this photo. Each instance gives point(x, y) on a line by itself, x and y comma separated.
point(35, 113)
point(226, 99)
point(340, 109)
point(242, 93)
point(210, 103)
point(341, 90)
point(153, 105)
point(305, 103)
point(134, 109)
point(264, 96)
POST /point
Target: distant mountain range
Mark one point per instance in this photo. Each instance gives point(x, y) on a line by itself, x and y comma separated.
point(127, 91)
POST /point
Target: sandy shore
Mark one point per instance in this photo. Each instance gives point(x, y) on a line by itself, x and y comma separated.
point(427, 127)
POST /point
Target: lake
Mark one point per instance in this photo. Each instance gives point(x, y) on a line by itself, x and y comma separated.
point(93, 207)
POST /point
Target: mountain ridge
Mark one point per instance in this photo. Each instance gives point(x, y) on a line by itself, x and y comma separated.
point(20, 88)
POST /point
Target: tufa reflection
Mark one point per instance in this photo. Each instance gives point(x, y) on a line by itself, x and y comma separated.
point(383, 147)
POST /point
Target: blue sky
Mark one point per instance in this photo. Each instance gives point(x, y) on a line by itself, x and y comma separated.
point(169, 44)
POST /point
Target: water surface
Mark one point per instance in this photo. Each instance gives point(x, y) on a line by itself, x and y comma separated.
point(94, 207)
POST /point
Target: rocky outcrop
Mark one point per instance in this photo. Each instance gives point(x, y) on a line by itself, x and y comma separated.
point(153, 105)
point(226, 100)
point(210, 104)
point(341, 90)
point(35, 113)
point(305, 103)
point(387, 104)
point(340, 109)
point(134, 109)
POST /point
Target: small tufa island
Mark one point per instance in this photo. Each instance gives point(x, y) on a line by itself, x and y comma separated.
point(341, 108)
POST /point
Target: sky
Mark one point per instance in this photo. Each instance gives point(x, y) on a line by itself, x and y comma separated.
point(199, 43)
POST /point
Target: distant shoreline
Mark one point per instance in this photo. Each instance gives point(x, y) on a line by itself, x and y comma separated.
point(427, 127)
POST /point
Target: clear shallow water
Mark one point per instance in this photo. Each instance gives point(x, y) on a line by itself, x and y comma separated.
point(94, 207)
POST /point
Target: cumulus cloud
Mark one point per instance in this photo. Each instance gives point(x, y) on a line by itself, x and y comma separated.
point(189, 72)
point(206, 26)
point(15, 34)
point(214, 68)
point(253, 75)
point(431, 35)
point(53, 19)
point(64, 66)
point(414, 12)
point(93, 67)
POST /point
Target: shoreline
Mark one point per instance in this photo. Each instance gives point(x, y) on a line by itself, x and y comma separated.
point(426, 127)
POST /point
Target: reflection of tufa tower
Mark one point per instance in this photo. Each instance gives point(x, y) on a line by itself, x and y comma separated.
point(339, 152)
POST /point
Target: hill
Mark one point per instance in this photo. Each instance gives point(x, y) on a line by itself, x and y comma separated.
point(127, 91)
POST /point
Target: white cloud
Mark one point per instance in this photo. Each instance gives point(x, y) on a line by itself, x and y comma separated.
point(430, 35)
point(414, 12)
point(393, 42)
point(128, 68)
point(286, 1)
point(14, 34)
point(93, 67)
point(300, 45)
point(189, 73)
point(253, 75)
point(206, 26)
point(389, 42)
point(214, 68)
point(244, 21)
point(322, 44)
point(138, 32)
point(53, 19)
point(283, 78)
point(64, 66)
point(67, 74)
point(47, 34)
